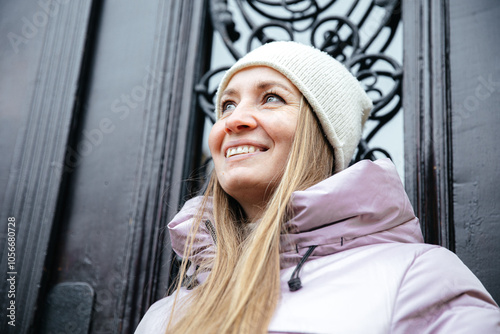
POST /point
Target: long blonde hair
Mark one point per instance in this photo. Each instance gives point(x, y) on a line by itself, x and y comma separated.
point(243, 287)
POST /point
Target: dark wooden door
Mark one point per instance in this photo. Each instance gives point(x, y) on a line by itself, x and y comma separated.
point(97, 131)
point(451, 102)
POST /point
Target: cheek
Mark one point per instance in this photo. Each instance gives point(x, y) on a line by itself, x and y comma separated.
point(285, 133)
point(287, 136)
point(215, 138)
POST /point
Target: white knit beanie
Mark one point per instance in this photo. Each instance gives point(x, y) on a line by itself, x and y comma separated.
point(334, 94)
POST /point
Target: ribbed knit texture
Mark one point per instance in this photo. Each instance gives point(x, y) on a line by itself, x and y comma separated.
point(334, 94)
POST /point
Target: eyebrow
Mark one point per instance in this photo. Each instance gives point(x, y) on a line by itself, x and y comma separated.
point(260, 85)
point(267, 84)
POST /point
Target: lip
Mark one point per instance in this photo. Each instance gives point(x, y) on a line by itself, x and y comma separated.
point(235, 143)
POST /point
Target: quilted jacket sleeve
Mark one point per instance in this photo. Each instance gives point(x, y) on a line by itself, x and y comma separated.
point(439, 294)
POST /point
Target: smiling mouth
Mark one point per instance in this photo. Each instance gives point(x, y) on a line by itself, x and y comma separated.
point(244, 149)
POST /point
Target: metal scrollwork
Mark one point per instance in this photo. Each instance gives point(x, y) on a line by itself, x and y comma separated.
point(340, 46)
point(355, 32)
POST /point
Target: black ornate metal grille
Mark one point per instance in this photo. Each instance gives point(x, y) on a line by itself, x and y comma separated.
point(355, 32)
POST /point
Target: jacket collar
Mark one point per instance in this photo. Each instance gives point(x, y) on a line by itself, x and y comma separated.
point(361, 205)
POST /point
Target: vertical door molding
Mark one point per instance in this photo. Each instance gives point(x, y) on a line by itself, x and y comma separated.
point(169, 137)
point(37, 170)
point(427, 124)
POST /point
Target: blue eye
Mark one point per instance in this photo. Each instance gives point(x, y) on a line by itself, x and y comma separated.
point(273, 98)
point(226, 106)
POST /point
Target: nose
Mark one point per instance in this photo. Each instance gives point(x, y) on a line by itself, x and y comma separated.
point(240, 119)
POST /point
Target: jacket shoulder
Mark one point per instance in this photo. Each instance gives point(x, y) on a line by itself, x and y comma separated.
point(439, 294)
point(156, 318)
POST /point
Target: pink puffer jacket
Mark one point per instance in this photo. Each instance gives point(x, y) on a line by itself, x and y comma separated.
point(368, 272)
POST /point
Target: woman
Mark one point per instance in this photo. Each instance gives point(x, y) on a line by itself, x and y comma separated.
point(287, 239)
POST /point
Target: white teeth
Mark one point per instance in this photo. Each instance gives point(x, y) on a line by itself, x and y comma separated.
point(240, 150)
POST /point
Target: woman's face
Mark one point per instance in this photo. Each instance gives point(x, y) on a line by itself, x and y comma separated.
point(251, 141)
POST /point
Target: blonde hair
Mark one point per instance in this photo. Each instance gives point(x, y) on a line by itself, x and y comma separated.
point(243, 287)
